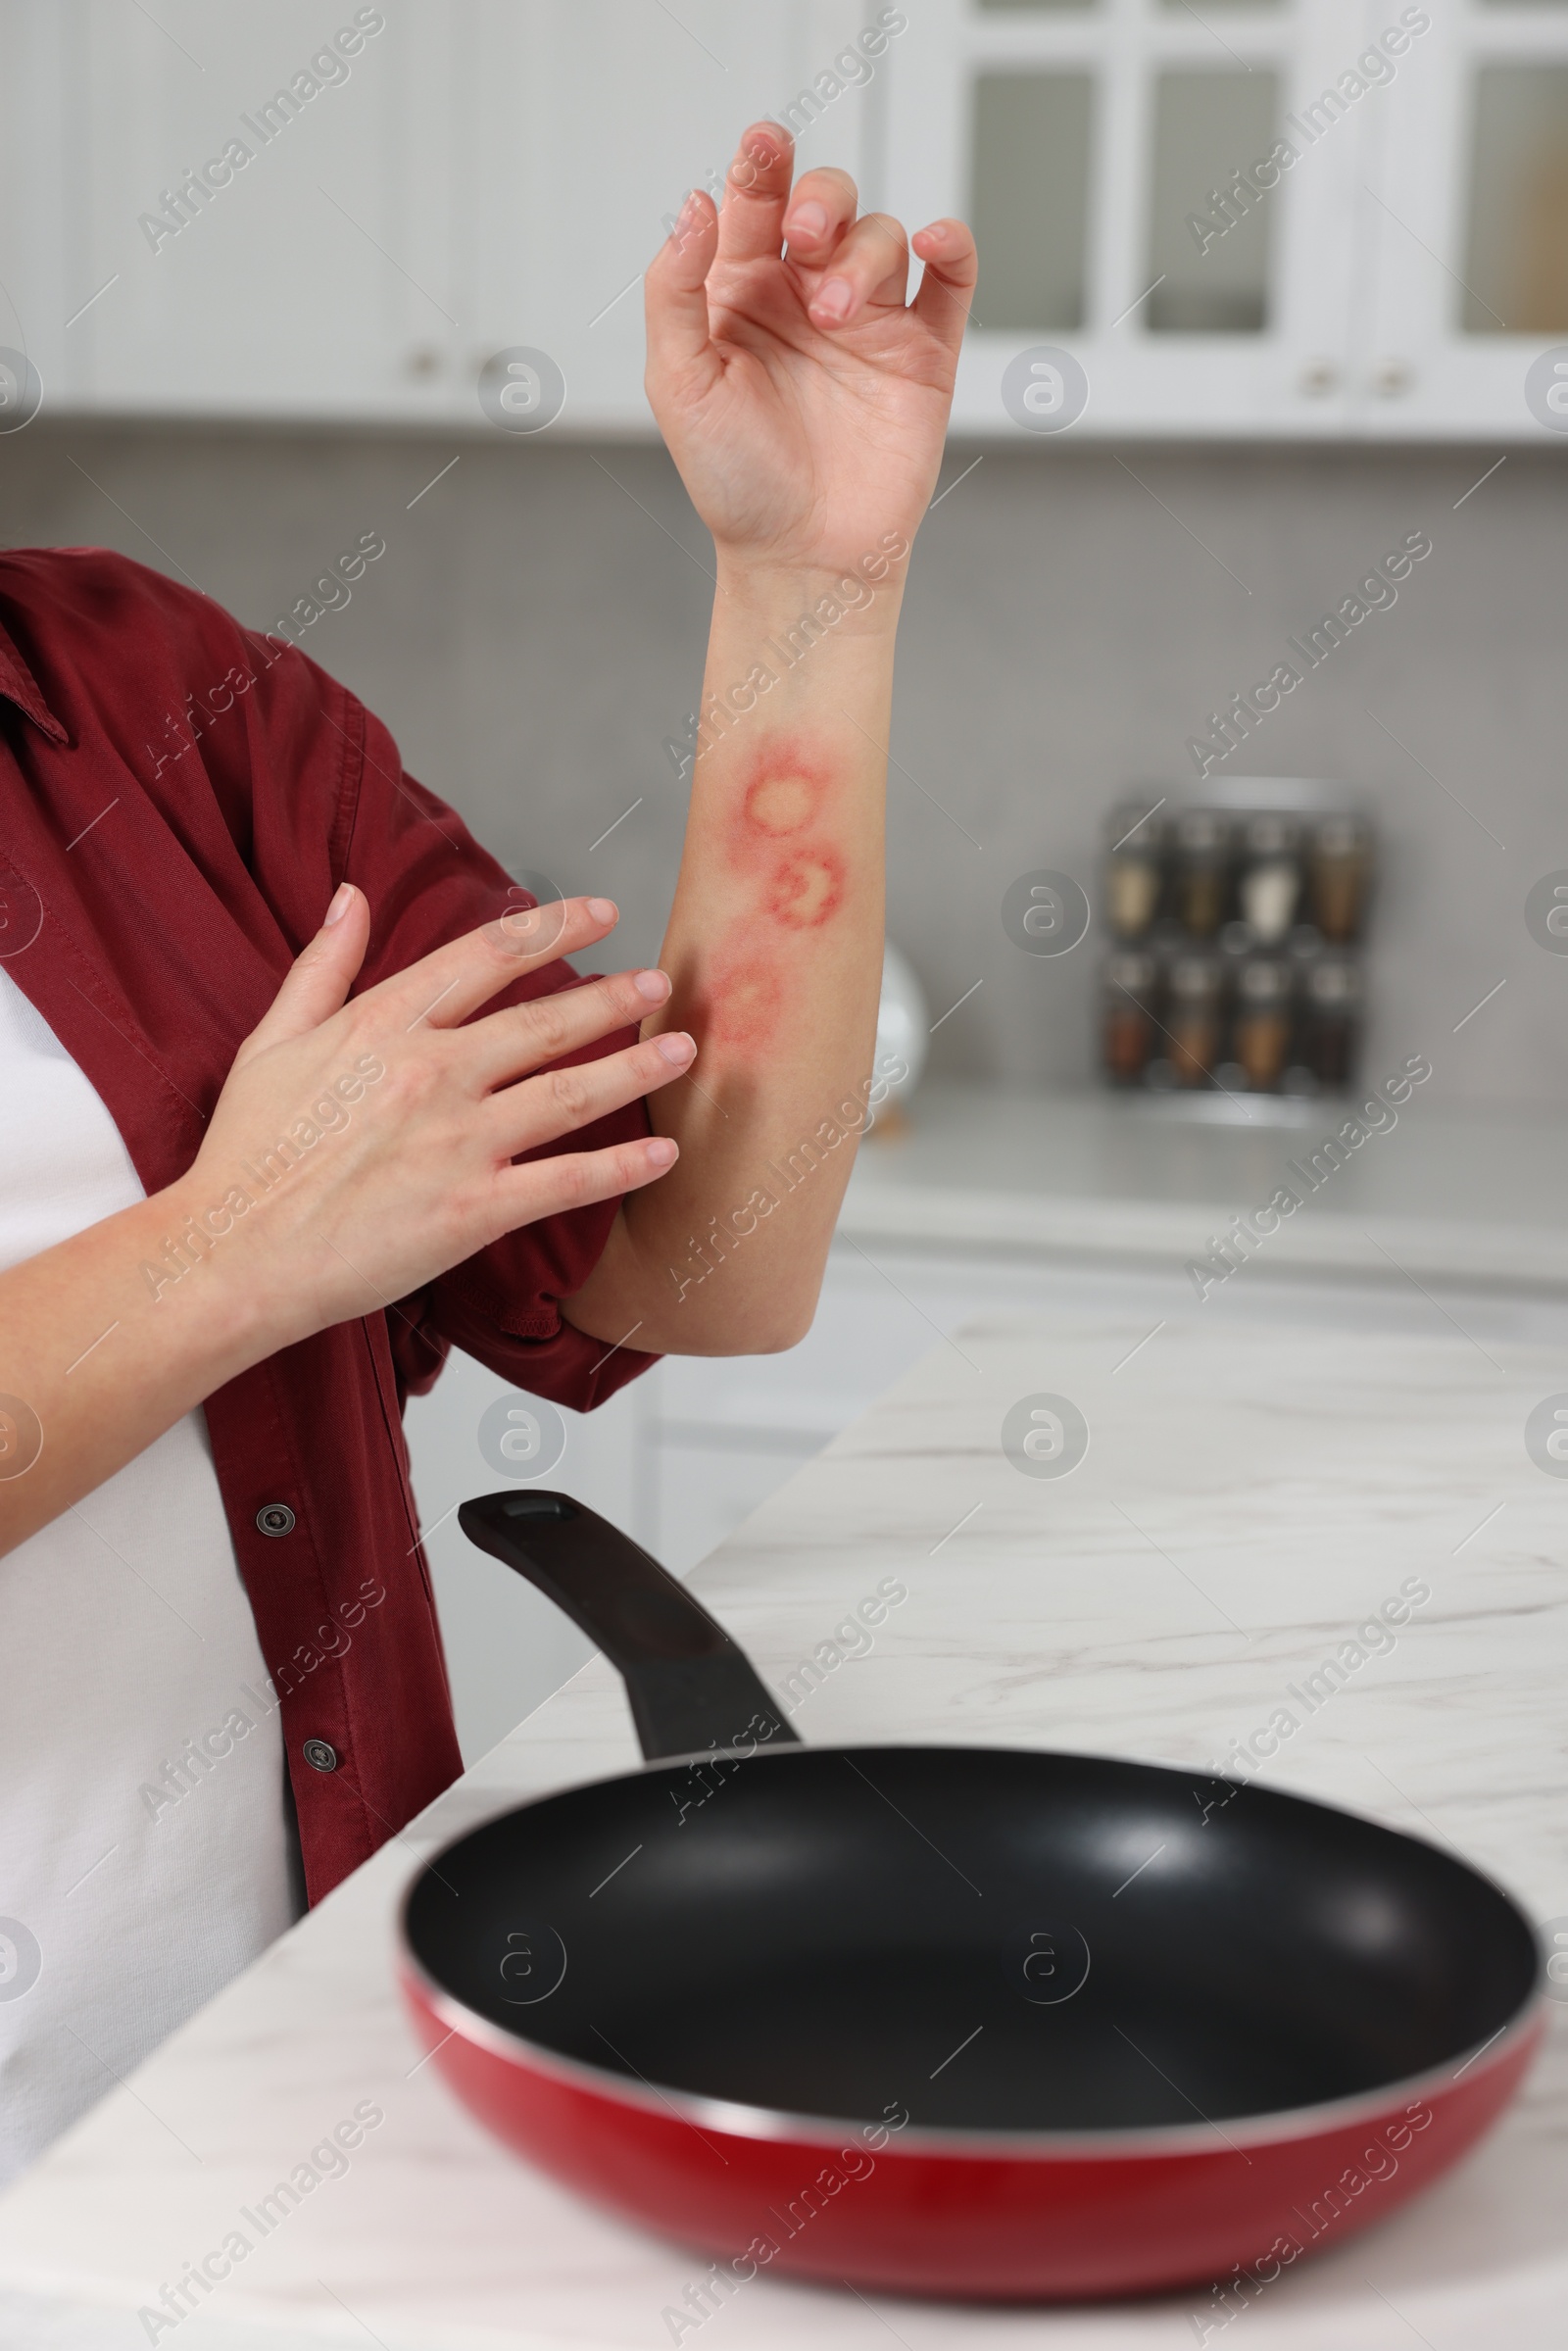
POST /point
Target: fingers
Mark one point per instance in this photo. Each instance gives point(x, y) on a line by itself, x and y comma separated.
point(575, 1179)
point(947, 288)
point(507, 1045)
point(444, 988)
point(322, 973)
point(870, 269)
point(822, 207)
point(521, 1117)
point(675, 298)
point(756, 192)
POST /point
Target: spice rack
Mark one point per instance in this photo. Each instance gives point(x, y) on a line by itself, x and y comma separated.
point(1239, 934)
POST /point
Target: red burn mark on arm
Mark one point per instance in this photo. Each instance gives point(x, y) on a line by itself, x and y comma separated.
point(743, 1002)
point(784, 789)
point(807, 889)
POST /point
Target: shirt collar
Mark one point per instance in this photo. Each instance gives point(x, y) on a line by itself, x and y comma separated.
point(19, 685)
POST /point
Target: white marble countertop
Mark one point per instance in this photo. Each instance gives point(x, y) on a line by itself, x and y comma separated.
point(1473, 1198)
point(1250, 1493)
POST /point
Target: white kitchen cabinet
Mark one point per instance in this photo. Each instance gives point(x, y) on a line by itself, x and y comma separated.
point(1147, 108)
point(679, 1459)
point(480, 175)
point(507, 1646)
point(488, 175)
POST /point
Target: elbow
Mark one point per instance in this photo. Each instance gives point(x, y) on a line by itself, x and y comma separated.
point(777, 1335)
point(765, 1325)
point(780, 1317)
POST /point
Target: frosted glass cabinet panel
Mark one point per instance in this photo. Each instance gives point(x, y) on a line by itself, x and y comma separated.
point(1209, 229)
point(1516, 240)
point(1029, 198)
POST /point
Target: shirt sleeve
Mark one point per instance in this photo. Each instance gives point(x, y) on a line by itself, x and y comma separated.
point(427, 881)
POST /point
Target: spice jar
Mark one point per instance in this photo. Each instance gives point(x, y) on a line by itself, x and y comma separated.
point(1342, 870)
point(1332, 1019)
point(1196, 988)
point(1128, 1029)
point(1270, 886)
point(1262, 1038)
point(1202, 870)
point(1134, 870)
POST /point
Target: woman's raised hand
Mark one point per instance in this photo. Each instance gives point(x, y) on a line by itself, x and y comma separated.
point(802, 397)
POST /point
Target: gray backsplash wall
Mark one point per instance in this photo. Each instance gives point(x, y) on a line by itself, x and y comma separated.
point(534, 632)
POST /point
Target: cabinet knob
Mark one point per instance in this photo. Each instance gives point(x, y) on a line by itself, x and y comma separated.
point(1319, 376)
point(1391, 377)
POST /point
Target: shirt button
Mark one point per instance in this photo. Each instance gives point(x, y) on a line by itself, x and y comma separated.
point(318, 1755)
point(275, 1518)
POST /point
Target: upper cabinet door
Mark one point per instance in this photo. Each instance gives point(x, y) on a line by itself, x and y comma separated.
point(1467, 218)
point(252, 224)
point(590, 121)
point(1154, 192)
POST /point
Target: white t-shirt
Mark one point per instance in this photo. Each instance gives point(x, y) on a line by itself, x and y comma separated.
point(135, 1880)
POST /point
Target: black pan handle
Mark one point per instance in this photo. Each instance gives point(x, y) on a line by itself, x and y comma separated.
point(690, 1687)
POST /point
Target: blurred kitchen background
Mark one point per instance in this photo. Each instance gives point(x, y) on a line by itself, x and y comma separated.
point(1264, 375)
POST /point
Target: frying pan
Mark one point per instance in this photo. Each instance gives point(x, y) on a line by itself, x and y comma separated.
point(957, 2020)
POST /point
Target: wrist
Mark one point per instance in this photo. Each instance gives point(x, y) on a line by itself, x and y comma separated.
point(198, 1259)
point(866, 592)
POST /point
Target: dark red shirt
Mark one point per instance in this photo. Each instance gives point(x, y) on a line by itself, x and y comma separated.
point(179, 798)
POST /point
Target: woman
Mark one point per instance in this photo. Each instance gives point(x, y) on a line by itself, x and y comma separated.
point(297, 1095)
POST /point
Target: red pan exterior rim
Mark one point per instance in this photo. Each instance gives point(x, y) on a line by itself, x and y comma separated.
point(938, 2220)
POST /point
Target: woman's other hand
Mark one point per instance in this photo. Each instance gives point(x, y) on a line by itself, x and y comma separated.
point(362, 1145)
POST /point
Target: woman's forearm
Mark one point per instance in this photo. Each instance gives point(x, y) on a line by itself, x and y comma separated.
point(774, 949)
point(96, 1366)
point(804, 399)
